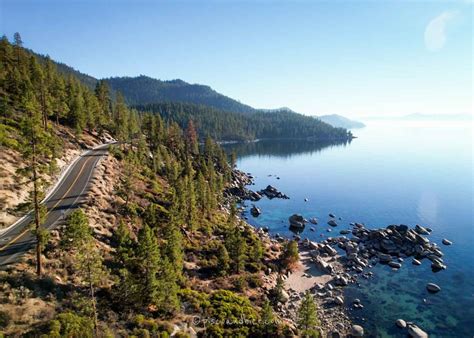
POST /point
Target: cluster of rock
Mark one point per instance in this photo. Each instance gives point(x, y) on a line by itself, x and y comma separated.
point(272, 192)
point(411, 328)
point(390, 246)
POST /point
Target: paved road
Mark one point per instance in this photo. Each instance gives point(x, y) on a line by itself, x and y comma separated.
point(67, 196)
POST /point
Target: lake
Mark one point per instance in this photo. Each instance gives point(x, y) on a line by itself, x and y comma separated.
point(395, 172)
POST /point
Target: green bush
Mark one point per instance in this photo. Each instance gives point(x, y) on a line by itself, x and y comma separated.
point(70, 325)
point(197, 300)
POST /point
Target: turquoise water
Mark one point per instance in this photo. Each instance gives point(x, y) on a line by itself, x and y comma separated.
point(393, 173)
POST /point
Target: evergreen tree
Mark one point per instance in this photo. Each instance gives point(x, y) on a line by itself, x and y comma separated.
point(223, 260)
point(267, 318)
point(308, 316)
point(147, 260)
point(236, 248)
point(36, 151)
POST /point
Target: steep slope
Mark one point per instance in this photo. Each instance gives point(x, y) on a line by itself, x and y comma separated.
point(341, 121)
point(145, 90)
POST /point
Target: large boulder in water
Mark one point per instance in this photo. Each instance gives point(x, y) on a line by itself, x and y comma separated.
point(296, 221)
point(421, 230)
point(332, 223)
point(255, 211)
point(357, 331)
point(415, 332)
point(433, 288)
point(446, 241)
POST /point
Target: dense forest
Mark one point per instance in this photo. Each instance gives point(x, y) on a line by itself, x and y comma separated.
point(227, 126)
point(144, 90)
point(172, 229)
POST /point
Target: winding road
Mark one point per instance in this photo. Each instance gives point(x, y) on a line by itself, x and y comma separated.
point(68, 194)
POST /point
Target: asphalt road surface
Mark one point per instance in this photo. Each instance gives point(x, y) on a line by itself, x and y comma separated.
point(67, 196)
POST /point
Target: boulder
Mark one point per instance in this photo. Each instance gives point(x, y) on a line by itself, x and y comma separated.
point(332, 223)
point(415, 332)
point(332, 215)
point(284, 296)
point(313, 220)
point(255, 211)
point(433, 288)
point(394, 264)
point(357, 331)
point(338, 300)
point(446, 241)
point(421, 230)
point(416, 262)
point(296, 221)
point(401, 323)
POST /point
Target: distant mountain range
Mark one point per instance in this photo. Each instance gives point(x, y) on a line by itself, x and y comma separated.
point(341, 121)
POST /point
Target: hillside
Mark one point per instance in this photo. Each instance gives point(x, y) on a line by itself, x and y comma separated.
point(228, 126)
point(144, 90)
point(156, 241)
point(341, 121)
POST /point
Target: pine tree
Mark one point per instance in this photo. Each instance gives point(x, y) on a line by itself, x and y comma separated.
point(124, 248)
point(168, 288)
point(36, 152)
point(308, 316)
point(223, 260)
point(267, 318)
point(236, 246)
point(148, 262)
point(192, 138)
point(91, 270)
point(77, 230)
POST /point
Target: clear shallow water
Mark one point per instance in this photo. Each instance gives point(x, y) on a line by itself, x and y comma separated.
point(395, 172)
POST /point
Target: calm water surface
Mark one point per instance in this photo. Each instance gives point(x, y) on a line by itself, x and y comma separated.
point(395, 172)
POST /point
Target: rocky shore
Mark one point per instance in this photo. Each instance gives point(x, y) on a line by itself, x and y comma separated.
point(327, 266)
point(333, 318)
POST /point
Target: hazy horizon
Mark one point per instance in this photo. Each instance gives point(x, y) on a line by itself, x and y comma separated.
point(359, 60)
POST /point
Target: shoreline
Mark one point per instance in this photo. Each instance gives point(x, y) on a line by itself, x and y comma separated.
point(333, 316)
point(326, 267)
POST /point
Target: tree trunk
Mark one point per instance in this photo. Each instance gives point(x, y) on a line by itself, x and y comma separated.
point(37, 212)
point(94, 304)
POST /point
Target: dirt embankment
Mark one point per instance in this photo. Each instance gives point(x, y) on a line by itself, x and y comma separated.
point(15, 189)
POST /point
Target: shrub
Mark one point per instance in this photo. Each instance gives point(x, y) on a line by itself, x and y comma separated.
point(70, 325)
point(197, 300)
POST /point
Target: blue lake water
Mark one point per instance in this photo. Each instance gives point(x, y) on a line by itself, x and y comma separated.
point(393, 173)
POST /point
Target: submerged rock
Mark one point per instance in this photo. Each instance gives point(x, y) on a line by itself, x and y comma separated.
point(415, 332)
point(446, 241)
point(433, 288)
point(357, 331)
point(401, 323)
point(332, 223)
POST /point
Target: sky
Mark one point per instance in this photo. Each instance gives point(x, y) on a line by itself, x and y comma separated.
point(354, 58)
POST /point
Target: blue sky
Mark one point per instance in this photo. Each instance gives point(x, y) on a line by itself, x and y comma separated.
point(356, 58)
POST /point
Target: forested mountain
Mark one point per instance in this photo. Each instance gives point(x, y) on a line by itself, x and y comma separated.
point(174, 248)
point(145, 90)
point(341, 121)
point(227, 126)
